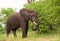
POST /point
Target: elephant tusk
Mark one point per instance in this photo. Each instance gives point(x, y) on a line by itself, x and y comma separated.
point(35, 23)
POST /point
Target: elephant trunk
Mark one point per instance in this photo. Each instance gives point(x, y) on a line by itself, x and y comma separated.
point(35, 21)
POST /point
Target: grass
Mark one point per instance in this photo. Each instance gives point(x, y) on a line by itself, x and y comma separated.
point(32, 36)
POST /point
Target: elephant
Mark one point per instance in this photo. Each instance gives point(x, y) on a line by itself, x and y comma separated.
point(21, 19)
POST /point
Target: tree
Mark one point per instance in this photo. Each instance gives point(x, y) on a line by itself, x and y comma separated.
point(30, 1)
point(48, 12)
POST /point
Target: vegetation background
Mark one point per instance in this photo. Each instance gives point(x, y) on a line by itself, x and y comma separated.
point(48, 12)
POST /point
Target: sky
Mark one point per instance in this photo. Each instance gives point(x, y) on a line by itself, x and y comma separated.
point(12, 4)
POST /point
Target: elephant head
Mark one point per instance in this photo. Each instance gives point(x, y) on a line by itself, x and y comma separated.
point(28, 14)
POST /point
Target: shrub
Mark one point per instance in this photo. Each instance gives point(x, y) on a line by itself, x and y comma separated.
point(48, 12)
point(4, 13)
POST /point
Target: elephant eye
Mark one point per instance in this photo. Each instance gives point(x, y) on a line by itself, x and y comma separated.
point(32, 16)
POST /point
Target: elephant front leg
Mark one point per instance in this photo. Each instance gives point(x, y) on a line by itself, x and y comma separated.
point(24, 30)
point(24, 33)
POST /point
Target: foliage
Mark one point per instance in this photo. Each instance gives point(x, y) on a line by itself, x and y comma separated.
point(48, 12)
point(4, 13)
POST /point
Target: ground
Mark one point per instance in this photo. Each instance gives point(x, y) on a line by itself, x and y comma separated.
point(31, 37)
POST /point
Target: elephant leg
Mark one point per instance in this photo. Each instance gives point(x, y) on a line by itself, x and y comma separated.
point(8, 31)
point(14, 32)
point(24, 29)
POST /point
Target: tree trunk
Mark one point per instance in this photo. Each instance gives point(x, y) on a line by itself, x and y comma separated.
point(30, 1)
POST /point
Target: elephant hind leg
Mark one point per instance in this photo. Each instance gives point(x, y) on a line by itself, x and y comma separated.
point(8, 31)
point(14, 32)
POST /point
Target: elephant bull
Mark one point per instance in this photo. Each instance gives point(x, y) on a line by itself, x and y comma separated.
point(21, 19)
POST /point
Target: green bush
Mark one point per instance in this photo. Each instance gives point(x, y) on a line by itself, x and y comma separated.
point(4, 13)
point(48, 12)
